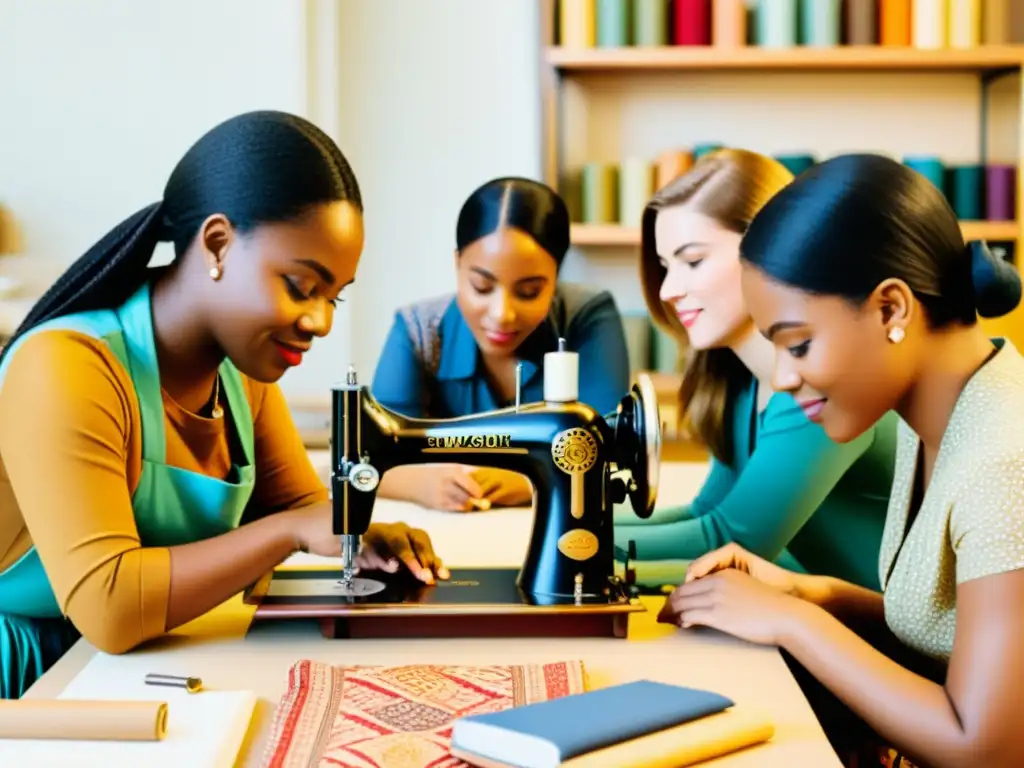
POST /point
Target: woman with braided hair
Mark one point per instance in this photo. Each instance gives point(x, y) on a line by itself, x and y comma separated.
point(159, 472)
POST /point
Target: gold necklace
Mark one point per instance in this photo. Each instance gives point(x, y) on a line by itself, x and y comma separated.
point(217, 411)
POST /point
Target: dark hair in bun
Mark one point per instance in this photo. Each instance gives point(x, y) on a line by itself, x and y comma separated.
point(997, 285)
point(847, 224)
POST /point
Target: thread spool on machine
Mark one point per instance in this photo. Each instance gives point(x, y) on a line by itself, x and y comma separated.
point(580, 463)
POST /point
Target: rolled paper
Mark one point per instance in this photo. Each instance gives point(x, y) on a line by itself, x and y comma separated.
point(931, 167)
point(699, 150)
point(636, 185)
point(861, 22)
point(1001, 192)
point(729, 23)
point(670, 166)
point(650, 22)
point(776, 23)
point(964, 23)
point(928, 24)
point(83, 720)
point(996, 26)
point(895, 22)
point(613, 19)
point(822, 23)
point(638, 341)
point(691, 22)
point(968, 191)
point(796, 164)
point(600, 193)
point(667, 358)
point(576, 23)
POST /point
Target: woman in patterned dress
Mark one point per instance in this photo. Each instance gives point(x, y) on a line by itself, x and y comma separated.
point(859, 274)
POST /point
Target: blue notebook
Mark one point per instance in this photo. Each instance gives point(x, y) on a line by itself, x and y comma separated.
point(551, 732)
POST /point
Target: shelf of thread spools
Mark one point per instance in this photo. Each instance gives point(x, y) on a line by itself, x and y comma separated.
point(610, 197)
point(838, 34)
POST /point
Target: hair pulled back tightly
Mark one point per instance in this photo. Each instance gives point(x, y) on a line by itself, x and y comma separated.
point(847, 224)
point(255, 168)
point(524, 204)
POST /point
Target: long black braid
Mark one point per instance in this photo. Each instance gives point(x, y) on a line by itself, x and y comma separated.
point(255, 168)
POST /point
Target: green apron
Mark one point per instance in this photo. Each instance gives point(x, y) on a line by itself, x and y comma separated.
point(172, 506)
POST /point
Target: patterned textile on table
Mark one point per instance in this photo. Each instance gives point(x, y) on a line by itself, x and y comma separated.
point(398, 717)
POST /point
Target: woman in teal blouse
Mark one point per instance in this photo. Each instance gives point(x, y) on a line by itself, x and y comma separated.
point(456, 355)
point(778, 485)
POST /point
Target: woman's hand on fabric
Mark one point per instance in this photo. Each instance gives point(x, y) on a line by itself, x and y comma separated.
point(501, 488)
point(391, 546)
point(734, 602)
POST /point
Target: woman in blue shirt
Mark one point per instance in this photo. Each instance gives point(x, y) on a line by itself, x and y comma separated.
point(456, 355)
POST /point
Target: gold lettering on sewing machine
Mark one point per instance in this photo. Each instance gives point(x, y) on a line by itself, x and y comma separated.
point(578, 544)
point(471, 442)
point(575, 452)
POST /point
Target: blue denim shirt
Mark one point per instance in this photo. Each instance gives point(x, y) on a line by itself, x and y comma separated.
point(432, 334)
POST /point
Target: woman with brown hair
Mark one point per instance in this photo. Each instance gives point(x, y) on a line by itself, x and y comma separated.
point(778, 486)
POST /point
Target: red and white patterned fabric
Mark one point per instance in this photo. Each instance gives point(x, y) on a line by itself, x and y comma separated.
point(398, 717)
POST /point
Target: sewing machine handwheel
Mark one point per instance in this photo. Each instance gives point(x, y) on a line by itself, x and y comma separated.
point(638, 439)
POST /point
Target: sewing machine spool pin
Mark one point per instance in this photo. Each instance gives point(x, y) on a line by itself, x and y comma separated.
point(519, 385)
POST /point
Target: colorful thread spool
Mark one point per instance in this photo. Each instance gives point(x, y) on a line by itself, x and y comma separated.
point(691, 22)
point(613, 21)
point(729, 23)
point(895, 22)
point(996, 22)
point(967, 185)
point(964, 23)
point(861, 22)
point(599, 192)
point(1001, 192)
point(776, 24)
point(928, 24)
point(636, 185)
point(821, 23)
point(576, 23)
point(650, 22)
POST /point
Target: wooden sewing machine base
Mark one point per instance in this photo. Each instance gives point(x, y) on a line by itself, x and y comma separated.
point(474, 602)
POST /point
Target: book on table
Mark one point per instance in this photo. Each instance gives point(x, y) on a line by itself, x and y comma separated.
point(645, 723)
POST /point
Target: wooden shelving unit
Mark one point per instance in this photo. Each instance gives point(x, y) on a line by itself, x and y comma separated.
point(560, 66)
point(987, 60)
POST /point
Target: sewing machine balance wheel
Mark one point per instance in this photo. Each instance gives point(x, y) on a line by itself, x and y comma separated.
point(638, 439)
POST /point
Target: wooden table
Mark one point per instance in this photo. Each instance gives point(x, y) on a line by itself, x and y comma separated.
point(229, 652)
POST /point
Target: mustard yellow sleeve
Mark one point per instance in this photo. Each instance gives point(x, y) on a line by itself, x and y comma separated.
point(70, 447)
point(285, 476)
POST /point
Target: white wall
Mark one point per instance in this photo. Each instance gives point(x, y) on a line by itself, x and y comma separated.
point(438, 97)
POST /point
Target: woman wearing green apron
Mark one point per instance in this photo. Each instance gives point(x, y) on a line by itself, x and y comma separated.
point(149, 468)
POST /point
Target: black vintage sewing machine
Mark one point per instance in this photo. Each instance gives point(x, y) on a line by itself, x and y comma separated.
point(580, 464)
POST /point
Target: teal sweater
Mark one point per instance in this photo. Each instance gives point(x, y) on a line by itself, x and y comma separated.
point(790, 495)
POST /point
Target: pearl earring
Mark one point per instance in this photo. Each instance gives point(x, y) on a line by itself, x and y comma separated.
point(215, 273)
point(896, 334)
